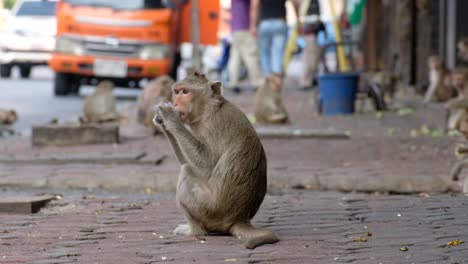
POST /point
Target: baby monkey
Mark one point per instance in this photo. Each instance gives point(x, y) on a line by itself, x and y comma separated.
point(223, 175)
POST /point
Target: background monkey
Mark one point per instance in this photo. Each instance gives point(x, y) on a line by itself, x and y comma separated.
point(156, 91)
point(458, 106)
point(439, 89)
point(8, 117)
point(462, 49)
point(100, 106)
point(224, 168)
point(268, 107)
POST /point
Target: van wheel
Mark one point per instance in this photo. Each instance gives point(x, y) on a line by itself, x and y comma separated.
point(176, 60)
point(62, 84)
point(5, 70)
point(25, 71)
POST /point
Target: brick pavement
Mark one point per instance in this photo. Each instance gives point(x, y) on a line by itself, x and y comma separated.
point(315, 227)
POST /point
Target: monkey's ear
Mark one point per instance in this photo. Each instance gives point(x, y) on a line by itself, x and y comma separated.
point(216, 87)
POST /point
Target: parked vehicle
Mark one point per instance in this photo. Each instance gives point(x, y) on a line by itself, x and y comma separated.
point(28, 37)
point(124, 41)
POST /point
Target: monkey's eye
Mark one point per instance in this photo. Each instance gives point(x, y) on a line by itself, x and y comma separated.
point(185, 91)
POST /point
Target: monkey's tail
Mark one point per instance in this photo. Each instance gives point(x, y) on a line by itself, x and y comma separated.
point(253, 236)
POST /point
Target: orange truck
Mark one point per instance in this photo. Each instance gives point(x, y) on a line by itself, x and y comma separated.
point(124, 41)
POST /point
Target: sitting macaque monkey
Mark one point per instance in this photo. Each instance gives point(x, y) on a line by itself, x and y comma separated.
point(387, 81)
point(100, 106)
point(156, 91)
point(458, 106)
point(268, 106)
point(8, 117)
point(440, 89)
point(224, 168)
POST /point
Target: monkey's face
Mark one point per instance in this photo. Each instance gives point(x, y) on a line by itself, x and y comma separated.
point(182, 98)
point(435, 62)
point(274, 83)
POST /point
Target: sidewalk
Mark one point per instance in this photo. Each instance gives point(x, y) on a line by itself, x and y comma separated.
point(314, 227)
point(384, 154)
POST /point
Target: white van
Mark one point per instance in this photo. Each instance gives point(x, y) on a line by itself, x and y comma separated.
point(28, 37)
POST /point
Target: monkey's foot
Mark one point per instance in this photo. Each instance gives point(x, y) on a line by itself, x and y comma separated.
point(188, 230)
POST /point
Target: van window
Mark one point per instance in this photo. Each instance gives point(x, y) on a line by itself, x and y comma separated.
point(120, 5)
point(36, 8)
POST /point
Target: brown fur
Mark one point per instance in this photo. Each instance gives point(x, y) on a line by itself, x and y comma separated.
point(8, 117)
point(458, 106)
point(440, 89)
point(268, 107)
point(462, 49)
point(156, 91)
point(388, 81)
point(224, 168)
point(100, 106)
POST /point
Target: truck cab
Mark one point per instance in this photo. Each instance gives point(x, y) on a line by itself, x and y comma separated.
point(123, 41)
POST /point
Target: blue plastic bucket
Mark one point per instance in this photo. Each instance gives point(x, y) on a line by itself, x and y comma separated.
point(338, 92)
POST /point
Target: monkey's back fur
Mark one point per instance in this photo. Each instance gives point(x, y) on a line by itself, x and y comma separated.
point(238, 168)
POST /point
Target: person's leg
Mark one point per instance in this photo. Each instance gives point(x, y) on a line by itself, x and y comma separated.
point(265, 42)
point(311, 60)
point(278, 46)
point(248, 50)
point(234, 61)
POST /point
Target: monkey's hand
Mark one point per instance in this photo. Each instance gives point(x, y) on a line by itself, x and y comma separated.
point(166, 116)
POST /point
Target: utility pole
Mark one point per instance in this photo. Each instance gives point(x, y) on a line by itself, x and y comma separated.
point(196, 36)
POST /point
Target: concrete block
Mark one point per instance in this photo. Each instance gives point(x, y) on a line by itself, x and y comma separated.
point(75, 134)
point(24, 204)
point(264, 132)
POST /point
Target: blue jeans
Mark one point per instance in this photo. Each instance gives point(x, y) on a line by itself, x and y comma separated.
point(272, 34)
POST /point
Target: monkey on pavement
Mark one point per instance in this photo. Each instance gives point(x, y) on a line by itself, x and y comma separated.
point(268, 106)
point(8, 117)
point(440, 89)
point(100, 106)
point(224, 168)
point(155, 92)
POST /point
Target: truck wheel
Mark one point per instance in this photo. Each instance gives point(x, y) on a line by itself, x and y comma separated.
point(25, 71)
point(5, 70)
point(176, 60)
point(62, 84)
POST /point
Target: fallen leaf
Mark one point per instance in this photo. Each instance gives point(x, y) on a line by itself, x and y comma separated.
point(379, 115)
point(360, 239)
point(425, 130)
point(405, 111)
point(455, 242)
point(403, 249)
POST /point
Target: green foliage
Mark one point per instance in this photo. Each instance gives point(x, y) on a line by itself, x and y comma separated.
point(9, 3)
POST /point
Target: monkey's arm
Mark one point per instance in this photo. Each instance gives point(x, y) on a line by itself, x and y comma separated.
point(175, 146)
point(430, 93)
point(157, 121)
point(190, 149)
point(193, 150)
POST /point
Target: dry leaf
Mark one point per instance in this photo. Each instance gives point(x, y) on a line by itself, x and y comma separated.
point(455, 242)
point(360, 239)
point(403, 249)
